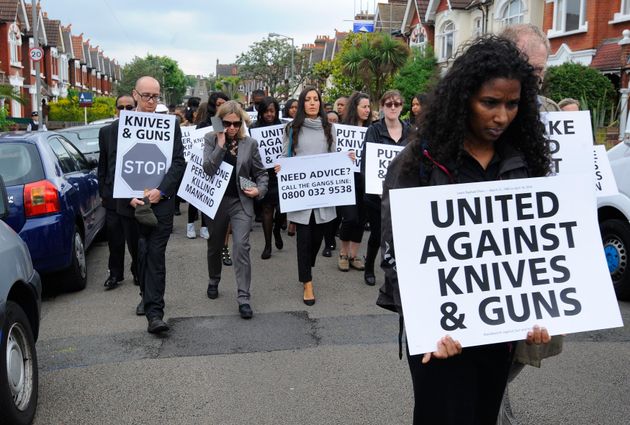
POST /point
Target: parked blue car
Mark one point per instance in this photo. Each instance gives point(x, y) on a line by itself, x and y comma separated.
point(20, 307)
point(54, 204)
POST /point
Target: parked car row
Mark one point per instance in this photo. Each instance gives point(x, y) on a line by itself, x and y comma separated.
point(54, 203)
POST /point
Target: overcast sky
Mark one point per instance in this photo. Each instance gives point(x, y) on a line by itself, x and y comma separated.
point(194, 32)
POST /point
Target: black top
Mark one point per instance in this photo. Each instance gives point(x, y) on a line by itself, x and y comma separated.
point(232, 188)
point(471, 171)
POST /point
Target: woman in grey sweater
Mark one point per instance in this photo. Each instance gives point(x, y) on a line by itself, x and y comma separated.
point(309, 133)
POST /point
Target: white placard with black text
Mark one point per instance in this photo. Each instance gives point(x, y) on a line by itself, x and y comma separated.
point(192, 137)
point(570, 140)
point(201, 190)
point(350, 138)
point(378, 156)
point(485, 262)
point(144, 153)
point(605, 183)
point(269, 143)
point(315, 181)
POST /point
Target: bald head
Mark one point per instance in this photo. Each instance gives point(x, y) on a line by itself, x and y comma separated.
point(147, 94)
point(531, 41)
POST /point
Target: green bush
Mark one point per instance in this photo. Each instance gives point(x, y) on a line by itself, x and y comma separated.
point(69, 110)
point(576, 81)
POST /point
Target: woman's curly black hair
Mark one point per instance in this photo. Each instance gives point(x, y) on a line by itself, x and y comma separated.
point(445, 121)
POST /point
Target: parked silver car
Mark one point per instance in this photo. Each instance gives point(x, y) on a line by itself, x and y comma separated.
point(20, 306)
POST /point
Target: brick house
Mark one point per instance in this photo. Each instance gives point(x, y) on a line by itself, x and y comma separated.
point(14, 25)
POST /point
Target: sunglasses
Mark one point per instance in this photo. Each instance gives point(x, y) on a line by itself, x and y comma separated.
point(393, 104)
point(127, 107)
point(235, 124)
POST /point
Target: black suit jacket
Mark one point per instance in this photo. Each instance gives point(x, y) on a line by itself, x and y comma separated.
point(170, 182)
point(106, 166)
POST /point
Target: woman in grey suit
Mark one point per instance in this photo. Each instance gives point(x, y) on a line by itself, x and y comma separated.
point(237, 206)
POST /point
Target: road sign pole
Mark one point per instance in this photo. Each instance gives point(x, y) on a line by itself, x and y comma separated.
point(38, 105)
point(85, 115)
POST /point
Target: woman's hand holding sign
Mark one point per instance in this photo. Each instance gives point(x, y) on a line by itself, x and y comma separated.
point(537, 336)
point(446, 347)
point(277, 168)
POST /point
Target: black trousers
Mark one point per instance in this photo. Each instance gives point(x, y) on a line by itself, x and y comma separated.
point(152, 264)
point(131, 235)
point(353, 216)
point(116, 244)
point(462, 390)
point(309, 239)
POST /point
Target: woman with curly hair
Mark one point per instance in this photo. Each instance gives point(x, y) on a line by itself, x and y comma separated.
point(482, 124)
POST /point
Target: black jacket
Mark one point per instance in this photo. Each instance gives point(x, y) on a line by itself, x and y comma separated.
point(106, 165)
point(512, 166)
point(170, 182)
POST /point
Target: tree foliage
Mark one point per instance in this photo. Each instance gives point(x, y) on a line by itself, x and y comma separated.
point(269, 61)
point(163, 69)
point(417, 75)
point(373, 59)
point(229, 86)
point(594, 90)
point(68, 109)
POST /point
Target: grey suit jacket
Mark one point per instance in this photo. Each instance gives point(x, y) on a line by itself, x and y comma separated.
point(248, 165)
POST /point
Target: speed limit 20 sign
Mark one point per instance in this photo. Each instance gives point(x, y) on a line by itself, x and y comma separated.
point(36, 54)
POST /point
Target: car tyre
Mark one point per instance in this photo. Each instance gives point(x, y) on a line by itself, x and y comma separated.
point(76, 275)
point(18, 368)
point(616, 240)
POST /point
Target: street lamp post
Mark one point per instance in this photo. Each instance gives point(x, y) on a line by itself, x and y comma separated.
point(275, 34)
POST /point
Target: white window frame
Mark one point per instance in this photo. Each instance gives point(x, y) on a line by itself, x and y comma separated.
point(508, 18)
point(559, 19)
point(14, 38)
point(624, 13)
point(443, 37)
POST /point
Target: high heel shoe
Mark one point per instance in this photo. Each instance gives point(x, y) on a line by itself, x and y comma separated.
point(278, 238)
point(266, 254)
point(309, 296)
point(225, 256)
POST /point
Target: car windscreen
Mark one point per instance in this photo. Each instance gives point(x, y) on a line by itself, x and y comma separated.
point(85, 139)
point(20, 163)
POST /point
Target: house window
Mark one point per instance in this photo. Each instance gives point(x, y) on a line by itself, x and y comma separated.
point(477, 29)
point(512, 13)
point(447, 40)
point(15, 41)
point(625, 7)
point(569, 15)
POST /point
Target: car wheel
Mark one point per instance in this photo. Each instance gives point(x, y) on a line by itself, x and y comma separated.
point(76, 276)
point(616, 240)
point(18, 368)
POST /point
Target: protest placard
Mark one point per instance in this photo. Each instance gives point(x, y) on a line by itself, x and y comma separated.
point(269, 143)
point(200, 189)
point(144, 154)
point(192, 137)
point(378, 156)
point(351, 138)
point(605, 183)
point(315, 181)
point(485, 262)
point(570, 140)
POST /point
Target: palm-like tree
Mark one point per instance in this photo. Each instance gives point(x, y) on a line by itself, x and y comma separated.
point(7, 92)
point(374, 60)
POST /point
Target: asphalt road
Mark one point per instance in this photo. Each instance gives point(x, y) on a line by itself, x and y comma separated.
point(333, 363)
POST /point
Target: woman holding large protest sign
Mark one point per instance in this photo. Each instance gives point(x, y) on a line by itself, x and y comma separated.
point(234, 147)
point(309, 133)
point(389, 130)
point(482, 124)
point(269, 114)
point(357, 113)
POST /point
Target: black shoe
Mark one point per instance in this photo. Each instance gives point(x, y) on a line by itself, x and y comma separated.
point(246, 311)
point(326, 252)
point(369, 278)
point(111, 283)
point(266, 254)
point(177, 212)
point(157, 325)
point(225, 256)
point(212, 292)
point(136, 281)
point(140, 308)
point(278, 238)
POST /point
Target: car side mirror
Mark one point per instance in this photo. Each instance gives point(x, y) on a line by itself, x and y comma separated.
point(4, 200)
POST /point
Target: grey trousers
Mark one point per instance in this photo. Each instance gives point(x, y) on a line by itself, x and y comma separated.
point(231, 211)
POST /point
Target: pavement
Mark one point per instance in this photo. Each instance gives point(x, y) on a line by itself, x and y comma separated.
point(333, 363)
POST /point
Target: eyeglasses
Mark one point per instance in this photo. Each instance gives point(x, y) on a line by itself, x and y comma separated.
point(391, 104)
point(127, 107)
point(147, 97)
point(235, 124)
